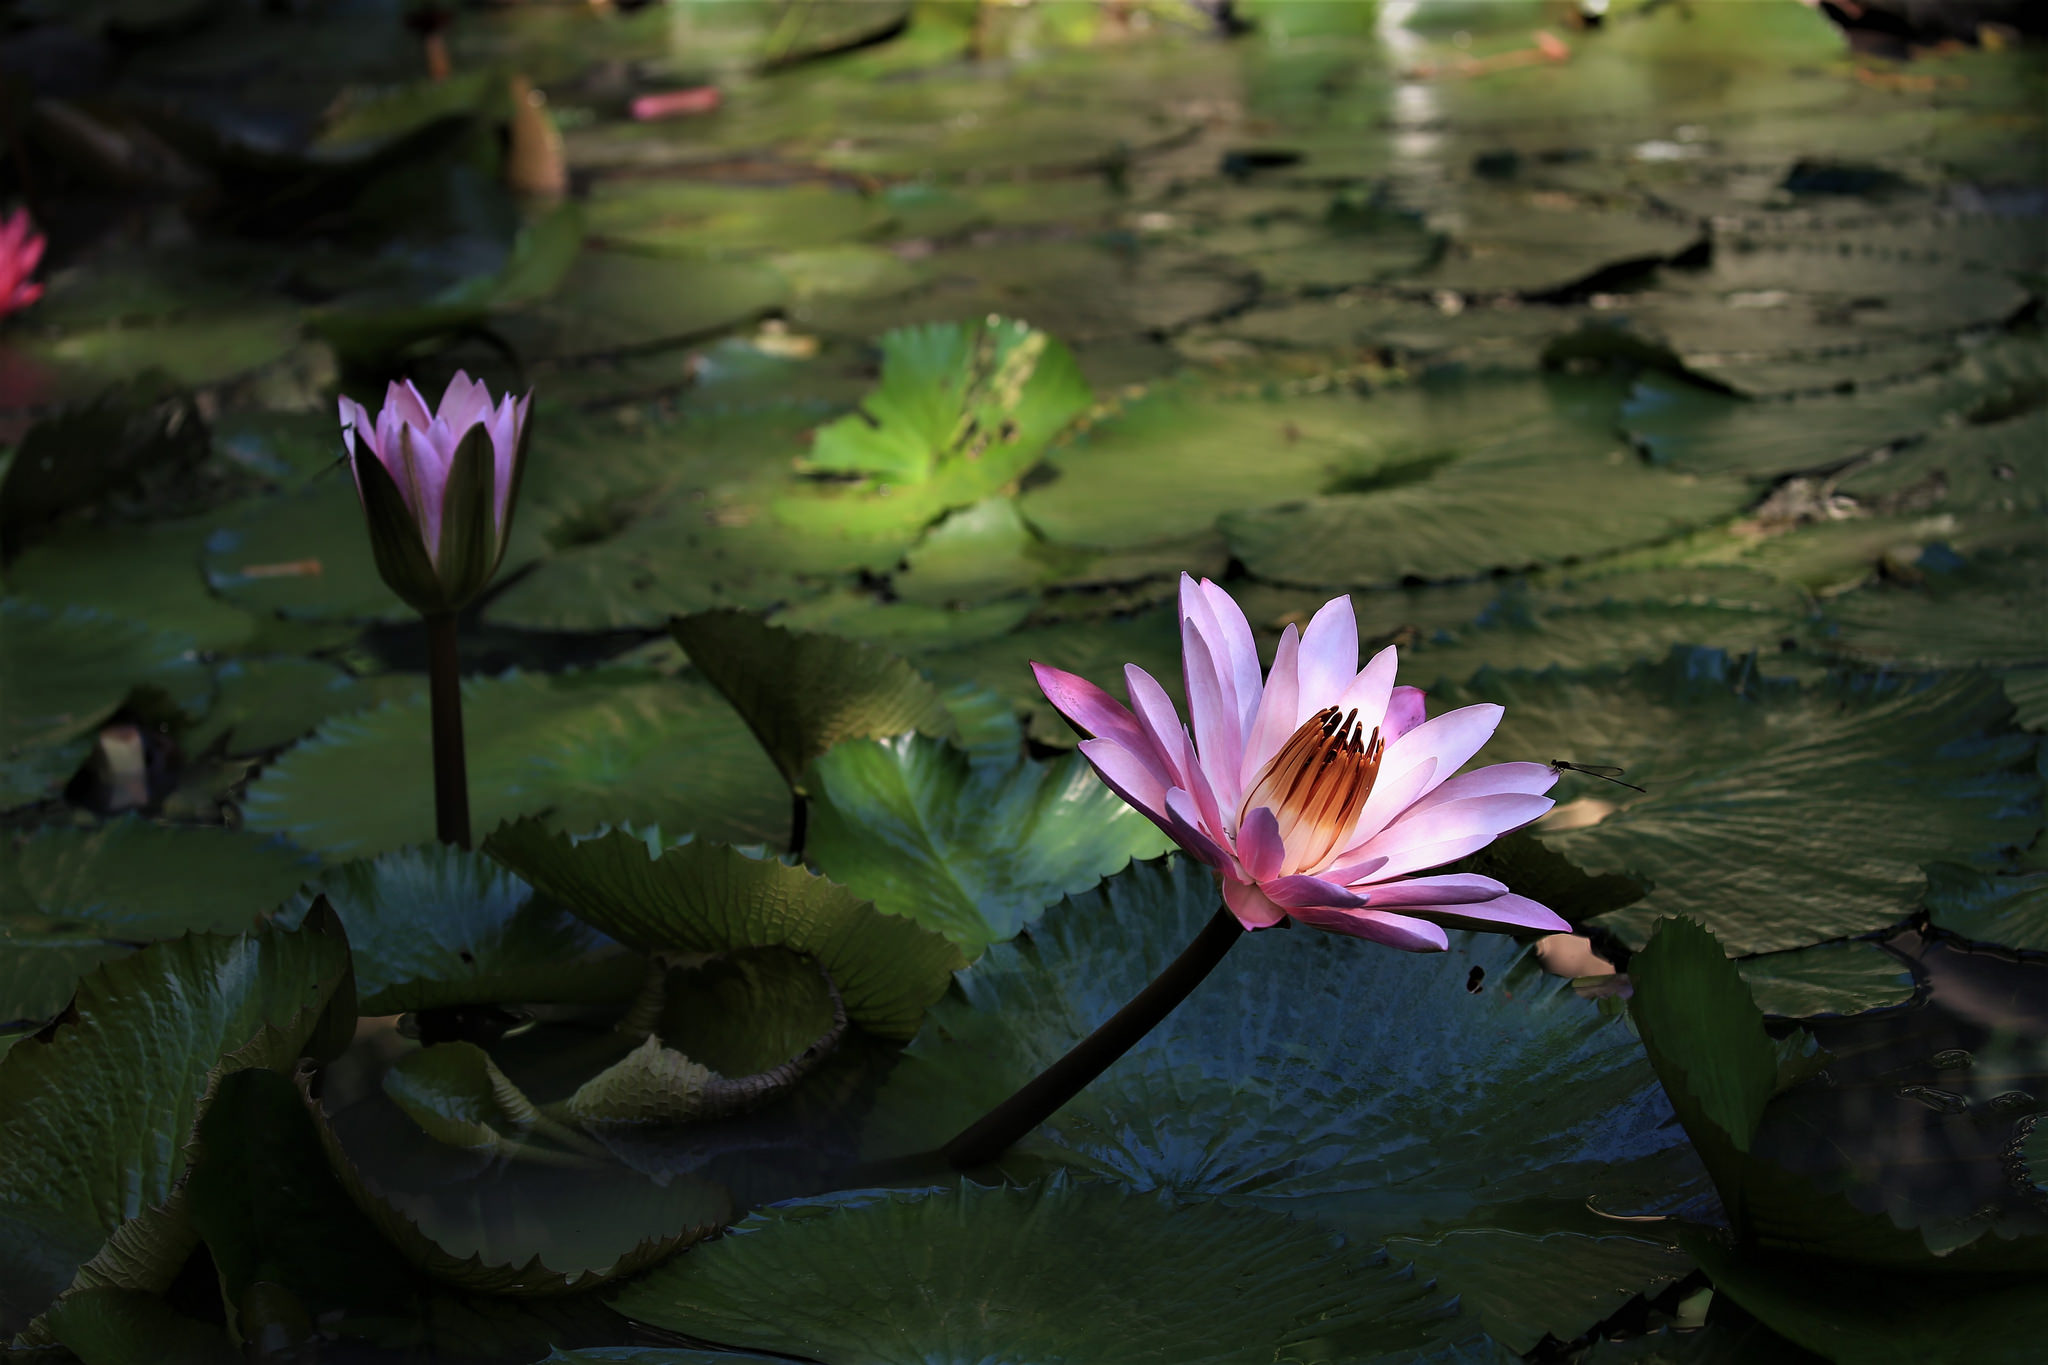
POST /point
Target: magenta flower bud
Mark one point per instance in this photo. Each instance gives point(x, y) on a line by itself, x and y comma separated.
point(438, 488)
point(1317, 792)
point(21, 249)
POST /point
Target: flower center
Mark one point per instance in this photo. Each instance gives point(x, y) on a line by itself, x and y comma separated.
point(1316, 786)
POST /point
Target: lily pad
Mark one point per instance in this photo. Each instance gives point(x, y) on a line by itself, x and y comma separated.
point(1840, 774)
point(585, 748)
point(975, 850)
point(97, 1120)
point(1827, 979)
point(1981, 907)
point(261, 704)
point(149, 572)
point(612, 301)
point(804, 694)
point(1049, 1272)
point(1989, 609)
point(435, 926)
point(702, 898)
point(1310, 1074)
point(76, 898)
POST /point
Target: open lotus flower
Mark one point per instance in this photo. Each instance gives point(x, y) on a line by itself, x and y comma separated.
point(21, 249)
point(438, 488)
point(1318, 792)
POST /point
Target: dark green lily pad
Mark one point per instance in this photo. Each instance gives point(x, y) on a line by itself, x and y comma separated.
point(263, 704)
point(1779, 815)
point(612, 301)
point(975, 850)
point(435, 926)
point(97, 1120)
point(1827, 979)
point(1317, 1075)
point(1990, 609)
point(804, 694)
point(585, 748)
point(76, 898)
point(702, 898)
point(1984, 908)
point(1049, 1272)
point(117, 1326)
point(149, 572)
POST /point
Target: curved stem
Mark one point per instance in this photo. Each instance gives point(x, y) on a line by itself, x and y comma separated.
point(451, 770)
point(994, 1132)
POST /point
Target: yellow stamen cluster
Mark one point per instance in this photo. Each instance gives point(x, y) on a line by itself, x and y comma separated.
point(1316, 786)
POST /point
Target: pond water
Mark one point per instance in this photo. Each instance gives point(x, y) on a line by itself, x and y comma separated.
point(1669, 373)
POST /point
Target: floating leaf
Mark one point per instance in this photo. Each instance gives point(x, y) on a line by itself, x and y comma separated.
point(435, 926)
point(585, 747)
point(1779, 815)
point(1049, 1272)
point(121, 1326)
point(1827, 979)
point(2011, 911)
point(703, 898)
point(94, 1123)
point(265, 704)
point(803, 694)
point(1312, 1074)
point(972, 849)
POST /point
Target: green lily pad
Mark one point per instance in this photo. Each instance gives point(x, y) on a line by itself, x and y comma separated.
point(149, 572)
point(975, 850)
point(1988, 610)
point(261, 704)
point(584, 747)
point(1857, 781)
point(702, 898)
point(76, 898)
point(1981, 907)
point(96, 1121)
point(1530, 243)
point(1975, 467)
point(1827, 979)
point(693, 216)
point(1523, 1288)
point(63, 674)
point(305, 553)
point(1049, 1272)
point(1311, 1074)
point(117, 1326)
point(435, 926)
point(804, 694)
point(612, 301)
point(194, 351)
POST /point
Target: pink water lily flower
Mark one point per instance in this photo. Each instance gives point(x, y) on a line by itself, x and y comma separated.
point(439, 487)
point(1318, 792)
point(21, 250)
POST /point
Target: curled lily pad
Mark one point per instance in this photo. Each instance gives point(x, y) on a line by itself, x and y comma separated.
point(802, 694)
point(972, 849)
point(96, 1121)
point(705, 898)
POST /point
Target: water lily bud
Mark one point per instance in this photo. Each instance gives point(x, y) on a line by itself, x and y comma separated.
point(21, 248)
point(535, 163)
point(438, 488)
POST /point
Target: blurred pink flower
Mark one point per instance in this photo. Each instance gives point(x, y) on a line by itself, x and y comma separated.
point(1319, 792)
point(439, 487)
point(698, 99)
point(21, 249)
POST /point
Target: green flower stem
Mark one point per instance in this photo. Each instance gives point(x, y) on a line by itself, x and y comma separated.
point(451, 770)
point(994, 1132)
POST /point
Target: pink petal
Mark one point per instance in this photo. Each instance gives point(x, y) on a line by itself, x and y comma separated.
point(1274, 720)
point(357, 424)
point(1455, 888)
point(1329, 658)
point(1390, 798)
point(1353, 873)
point(1258, 844)
point(1451, 739)
point(1098, 715)
point(1184, 823)
point(1450, 832)
point(1370, 691)
point(1127, 776)
point(1404, 712)
point(464, 403)
point(1310, 893)
point(1212, 713)
point(1239, 652)
point(1250, 905)
point(1161, 723)
point(404, 400)
point(1499, 779)
point(697, 99)
point(1503, 912)
point(1395, 931)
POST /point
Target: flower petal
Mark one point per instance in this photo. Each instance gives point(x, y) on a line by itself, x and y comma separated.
point(464, 403)
point(1098, 715)
point(1396, 931)
point(1127, 776)
point(1258, 844)
point(1274, 721)
point(1239, 652)
point(1219, 743)
point(1329, 658)
point(1370, 691)
point(1451, 739)
point(1161, 723)
point(404, 401)
point(1184, 823)
point(1509, 912)
point(1453, 888)
point(1405, 711)
point(1498, 779)
point(1310, 893)
point(1391, 797)
point(357, 424)
point(1250, 905)
point(1449, 832)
